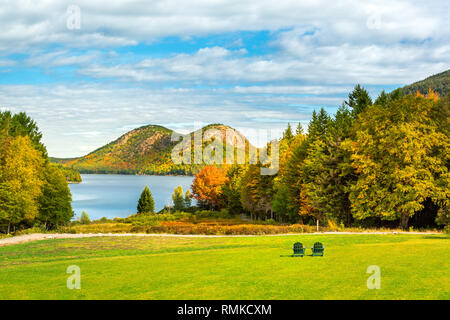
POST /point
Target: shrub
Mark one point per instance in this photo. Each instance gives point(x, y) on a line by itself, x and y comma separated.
point(333, 225)
point(179, 227)
point(35, 229)
point(98, 228)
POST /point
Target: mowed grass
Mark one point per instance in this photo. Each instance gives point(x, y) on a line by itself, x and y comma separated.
point(412, 267)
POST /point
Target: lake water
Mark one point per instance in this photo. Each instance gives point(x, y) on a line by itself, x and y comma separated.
point(114, 195)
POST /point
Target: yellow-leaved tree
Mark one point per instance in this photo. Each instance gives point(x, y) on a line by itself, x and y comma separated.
point(21, 167)
point(401, 158)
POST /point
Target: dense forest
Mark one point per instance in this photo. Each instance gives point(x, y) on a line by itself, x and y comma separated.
point(33, 191)
point(372, 164)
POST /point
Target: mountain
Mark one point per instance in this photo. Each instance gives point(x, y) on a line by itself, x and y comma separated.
point(440, 83)
point(145, 150)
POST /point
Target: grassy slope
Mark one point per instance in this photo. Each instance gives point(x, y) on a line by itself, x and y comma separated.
point(412, 267)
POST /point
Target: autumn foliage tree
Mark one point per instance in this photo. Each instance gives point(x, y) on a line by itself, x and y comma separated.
point(257, 192)
point(401, 159)
point(32, 190)
point(207, 186)
point(21, 167)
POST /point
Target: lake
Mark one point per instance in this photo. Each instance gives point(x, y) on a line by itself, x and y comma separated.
point(115, 195)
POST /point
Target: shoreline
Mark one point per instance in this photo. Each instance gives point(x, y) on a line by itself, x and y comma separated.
point(49, 236)
point(136, 174)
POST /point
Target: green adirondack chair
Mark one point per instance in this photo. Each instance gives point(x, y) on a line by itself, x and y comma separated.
point(317, 249)
point(299, 249)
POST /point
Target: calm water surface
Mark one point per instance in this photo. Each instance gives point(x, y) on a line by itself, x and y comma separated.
point(114, 195)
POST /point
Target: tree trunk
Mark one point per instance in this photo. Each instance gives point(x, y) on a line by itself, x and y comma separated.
point(404, 218)
point(9, 227)
point(317, 225)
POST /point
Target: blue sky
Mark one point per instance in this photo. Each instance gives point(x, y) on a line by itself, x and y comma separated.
point(254, 65)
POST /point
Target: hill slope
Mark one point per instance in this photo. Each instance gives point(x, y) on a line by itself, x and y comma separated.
point(145, 150)
point(440, 83)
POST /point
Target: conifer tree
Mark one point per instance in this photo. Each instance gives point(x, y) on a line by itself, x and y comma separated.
point(382, 99)
point(299, 129)
point(288, 135)
point(358, 100)
point(146, 203)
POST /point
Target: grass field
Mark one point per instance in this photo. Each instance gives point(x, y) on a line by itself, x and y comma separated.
point(412, 267)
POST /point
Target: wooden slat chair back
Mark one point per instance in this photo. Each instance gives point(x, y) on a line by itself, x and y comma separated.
point(318, 249)
point(299, 249)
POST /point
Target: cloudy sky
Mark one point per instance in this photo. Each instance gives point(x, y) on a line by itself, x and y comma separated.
point(89, 71)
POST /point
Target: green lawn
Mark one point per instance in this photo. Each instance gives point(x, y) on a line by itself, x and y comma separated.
point(412, 267)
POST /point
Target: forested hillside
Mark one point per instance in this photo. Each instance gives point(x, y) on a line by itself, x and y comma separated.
point(439, 83)
point(145, 150)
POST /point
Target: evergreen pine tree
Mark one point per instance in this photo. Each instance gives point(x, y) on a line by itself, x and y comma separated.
point(288, 135)
point(146, 203)
point(299, 129)
point(358, 100)
point(382, 99)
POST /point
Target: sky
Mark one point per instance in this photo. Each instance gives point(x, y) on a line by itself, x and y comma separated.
point(89, 71)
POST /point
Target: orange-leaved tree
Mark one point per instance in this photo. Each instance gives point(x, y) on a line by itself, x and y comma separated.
point(207, 186)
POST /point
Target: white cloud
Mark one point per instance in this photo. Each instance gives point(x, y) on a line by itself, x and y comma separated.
point(7, 63)
point(298, 60)
point(59, 58)
point(116, 23)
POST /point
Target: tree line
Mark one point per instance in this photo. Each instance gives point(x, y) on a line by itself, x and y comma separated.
point(372, 164)
point(33, 192)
